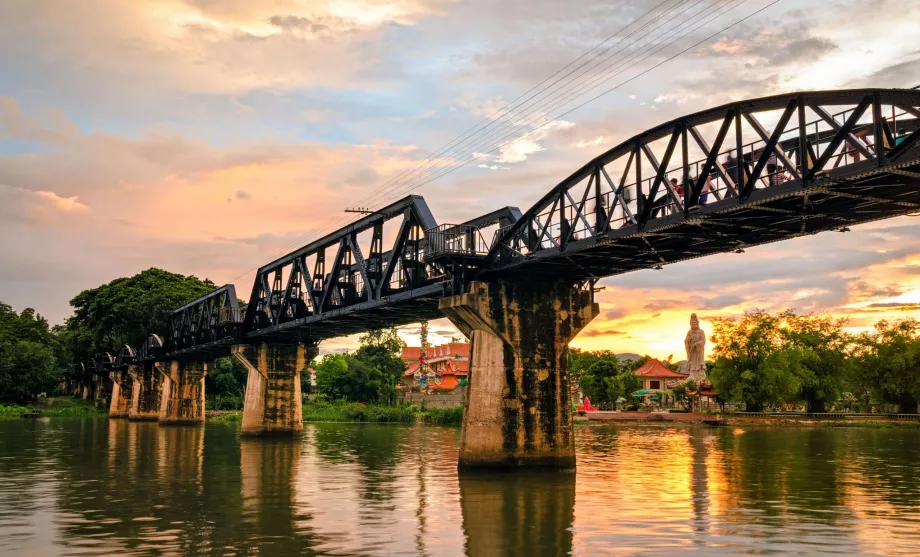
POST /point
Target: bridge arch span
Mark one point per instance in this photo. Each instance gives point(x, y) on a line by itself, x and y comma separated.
point(736, 175)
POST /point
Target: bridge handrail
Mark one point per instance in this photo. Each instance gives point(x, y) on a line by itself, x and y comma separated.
point(733, 112)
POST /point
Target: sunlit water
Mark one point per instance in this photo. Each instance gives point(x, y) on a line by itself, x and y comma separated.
point(97, 487)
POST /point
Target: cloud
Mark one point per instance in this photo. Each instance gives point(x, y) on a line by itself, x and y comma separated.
point(594, 333)
point(241, 194)
point(42, 208)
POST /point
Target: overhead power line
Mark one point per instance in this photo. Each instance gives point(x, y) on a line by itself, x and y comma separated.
point(570, 90)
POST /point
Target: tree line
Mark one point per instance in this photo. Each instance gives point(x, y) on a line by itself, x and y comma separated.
point(765, 360)
point(36, 358)
point(761, 360)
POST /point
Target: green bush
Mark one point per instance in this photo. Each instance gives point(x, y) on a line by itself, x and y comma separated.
point(223, 402)
point(444, 416)
point(342, 411)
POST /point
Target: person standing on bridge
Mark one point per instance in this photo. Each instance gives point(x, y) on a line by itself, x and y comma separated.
point(679, 191)
point(771, 169)
point(731, 168)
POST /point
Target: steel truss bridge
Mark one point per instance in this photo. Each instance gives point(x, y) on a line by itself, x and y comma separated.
point(747, 173)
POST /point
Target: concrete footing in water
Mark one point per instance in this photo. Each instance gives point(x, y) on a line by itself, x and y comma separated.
point(274, 402)
point(122, 390)
point(517, 409)
point(146, 393)
point(182, 401)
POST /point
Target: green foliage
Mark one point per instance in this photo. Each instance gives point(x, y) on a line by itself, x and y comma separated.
point(444, 416)
point(822, 345)
point(345, 377)
point(368, 375)
point(226, 418)
point(753, 362)
point(622, 385)
point(126, 310)
point(595, 381)
point(65, 407)
point(225, 384)
point(343, 411)
point(888, 364)
point(28, 363)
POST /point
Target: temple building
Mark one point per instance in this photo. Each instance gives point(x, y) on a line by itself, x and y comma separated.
point(655, 376)
point(448, 366)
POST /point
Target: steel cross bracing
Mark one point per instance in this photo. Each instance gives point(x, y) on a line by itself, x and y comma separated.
point(747, 173)
point(208, 321)
point(346, 287)
point(809, 162)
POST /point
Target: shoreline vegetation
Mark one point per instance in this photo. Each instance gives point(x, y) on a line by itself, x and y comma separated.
point(351, 412)
point(60, 407)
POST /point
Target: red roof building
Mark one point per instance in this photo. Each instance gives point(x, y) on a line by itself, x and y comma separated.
point(656, 376)
point(450, 362)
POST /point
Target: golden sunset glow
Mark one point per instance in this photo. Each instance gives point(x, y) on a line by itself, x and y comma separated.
point(208, 137)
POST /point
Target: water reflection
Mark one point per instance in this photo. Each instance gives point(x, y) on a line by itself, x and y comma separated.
point(518, 514)
point(96, 487)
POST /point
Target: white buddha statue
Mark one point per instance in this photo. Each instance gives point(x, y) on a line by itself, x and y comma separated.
point(695, 343)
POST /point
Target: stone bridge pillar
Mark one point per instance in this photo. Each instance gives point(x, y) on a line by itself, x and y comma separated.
point(122, 390)
point(146, 393)
point(517, 410)
point(273, 404)
point(102, 390)
point(182, 401)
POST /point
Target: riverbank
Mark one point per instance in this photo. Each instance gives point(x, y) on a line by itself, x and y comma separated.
point(357, 413)
point(55, 407)
point(737, 420)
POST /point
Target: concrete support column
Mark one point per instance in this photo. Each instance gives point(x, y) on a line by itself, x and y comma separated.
point(182, 401)
point(517, 409)
point(273, 404)
point(122, 390)
point(102, 390)
point(146, 393)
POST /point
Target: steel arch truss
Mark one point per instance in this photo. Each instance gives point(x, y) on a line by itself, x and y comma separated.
point(151, 349)
point(745, 173)
point(350, 288)
point(209, 320)
point(126, 357)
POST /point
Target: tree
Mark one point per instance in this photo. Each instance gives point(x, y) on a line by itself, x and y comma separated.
point(594, 381)
point(225, 384)
point(343, 376)
point(28, 365)
point(622, 385)
point(753, 364)
point(823, 346)
point(889, 363)
point(126, 310)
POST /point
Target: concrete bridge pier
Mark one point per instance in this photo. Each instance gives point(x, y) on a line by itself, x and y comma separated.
point(122, 390)
point(517, 411)
point(146, 393)
point(102, 389)
point(273, 404)
point(182, 401)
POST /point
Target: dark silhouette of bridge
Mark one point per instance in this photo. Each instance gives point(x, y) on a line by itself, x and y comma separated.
point(744, 174)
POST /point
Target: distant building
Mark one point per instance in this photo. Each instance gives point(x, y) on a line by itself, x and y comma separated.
point(448, 364)
point(655, 376)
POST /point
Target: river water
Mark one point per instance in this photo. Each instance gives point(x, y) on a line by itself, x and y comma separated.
point(98, 487)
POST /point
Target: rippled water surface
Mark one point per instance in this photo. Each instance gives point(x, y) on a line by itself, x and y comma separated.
point(97, 487)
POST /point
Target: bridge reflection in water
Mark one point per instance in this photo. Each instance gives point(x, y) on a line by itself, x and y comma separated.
point(92, 488)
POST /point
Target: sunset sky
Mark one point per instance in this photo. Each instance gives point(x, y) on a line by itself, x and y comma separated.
point(206, 137)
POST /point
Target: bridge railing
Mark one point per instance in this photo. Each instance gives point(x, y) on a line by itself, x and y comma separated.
point(730, 152)
point(456, 239)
